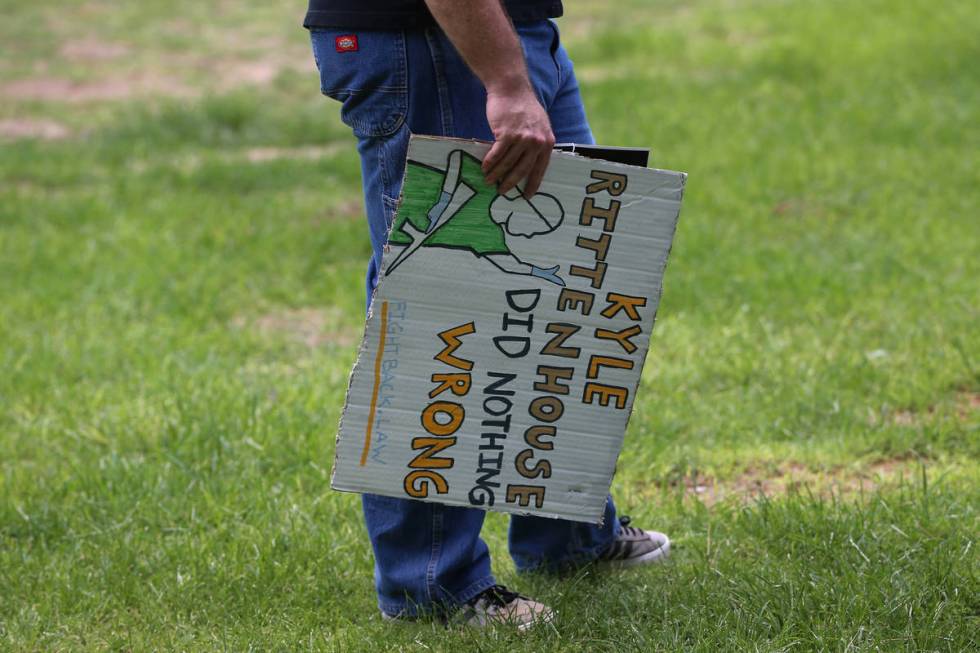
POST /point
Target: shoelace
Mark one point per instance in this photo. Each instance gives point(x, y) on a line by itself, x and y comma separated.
point(624, 523)
point(496, 595)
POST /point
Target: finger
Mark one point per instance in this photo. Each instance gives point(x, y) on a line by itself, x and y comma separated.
point(518, 172)
point(537, 174)
point(502, 167)
point(497, 151)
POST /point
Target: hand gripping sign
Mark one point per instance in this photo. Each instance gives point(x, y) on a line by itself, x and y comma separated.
point(505, 341)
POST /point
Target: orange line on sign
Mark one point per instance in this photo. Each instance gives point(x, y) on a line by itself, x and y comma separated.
point(377, 382)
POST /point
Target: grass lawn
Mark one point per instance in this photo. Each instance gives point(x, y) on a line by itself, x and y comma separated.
point(181, 261)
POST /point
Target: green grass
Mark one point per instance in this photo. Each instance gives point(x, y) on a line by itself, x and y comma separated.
point(181, 294)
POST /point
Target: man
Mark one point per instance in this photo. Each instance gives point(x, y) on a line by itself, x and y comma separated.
point(475, 69)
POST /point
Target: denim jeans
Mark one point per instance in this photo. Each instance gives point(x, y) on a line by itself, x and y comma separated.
point(392, 84)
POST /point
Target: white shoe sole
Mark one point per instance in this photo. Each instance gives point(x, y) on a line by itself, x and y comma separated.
point(545, 618)
point(657, 555)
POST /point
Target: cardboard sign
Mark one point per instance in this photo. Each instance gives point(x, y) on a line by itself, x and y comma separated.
point(504, 346)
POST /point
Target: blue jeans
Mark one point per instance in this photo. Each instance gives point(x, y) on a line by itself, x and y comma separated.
point(395, 83)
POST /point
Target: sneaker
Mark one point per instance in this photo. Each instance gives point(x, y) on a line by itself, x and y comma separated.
point(495, 605)
point(498, 605)
point(633, 546)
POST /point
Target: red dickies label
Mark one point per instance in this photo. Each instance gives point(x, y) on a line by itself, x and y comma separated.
point(346, 43)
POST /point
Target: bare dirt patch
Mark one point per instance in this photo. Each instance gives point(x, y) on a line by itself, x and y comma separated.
point(175, 78)
point(255, 155)
point(54, 89)
point(964, 406)
point(97, 70)
point(93, 49)
point(45, 130)
point(312, 327)
point(235, 72)
point(967, 404)
point(754, 483)
point(908, 417)
point(307, 153)
point(349, 209)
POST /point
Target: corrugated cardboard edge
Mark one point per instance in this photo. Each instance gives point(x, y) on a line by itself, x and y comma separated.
point(370, 312)
point(653, 320)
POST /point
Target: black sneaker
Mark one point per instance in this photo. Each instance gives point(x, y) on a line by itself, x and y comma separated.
point(634, 546)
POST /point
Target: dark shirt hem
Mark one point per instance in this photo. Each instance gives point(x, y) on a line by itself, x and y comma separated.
point(350, 18)
point(366, 19)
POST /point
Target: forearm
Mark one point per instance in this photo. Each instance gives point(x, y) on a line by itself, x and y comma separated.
point(484, 36)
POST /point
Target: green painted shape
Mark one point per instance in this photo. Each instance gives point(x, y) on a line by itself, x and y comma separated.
point(471, 228)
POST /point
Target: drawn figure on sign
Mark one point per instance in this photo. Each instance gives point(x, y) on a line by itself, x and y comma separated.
point(455, 208)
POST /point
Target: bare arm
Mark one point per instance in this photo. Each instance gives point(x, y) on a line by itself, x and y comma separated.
point(484, 35)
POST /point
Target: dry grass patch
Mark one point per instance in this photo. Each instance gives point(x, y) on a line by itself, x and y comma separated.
point(305, 153)
point(90, 63)
point(93, 49)
point(46, 130)
point(964, 406)
point(769, 481)
point(311, 327)
point(967, 404)
point(350, 209)
point(42, 88)
point(190, 162)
